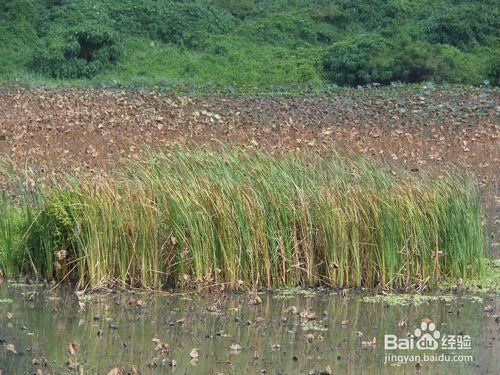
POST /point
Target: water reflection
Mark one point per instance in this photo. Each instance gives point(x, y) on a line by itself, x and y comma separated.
point(285, 334)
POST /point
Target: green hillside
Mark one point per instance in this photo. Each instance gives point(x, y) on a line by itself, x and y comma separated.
point(234, 45)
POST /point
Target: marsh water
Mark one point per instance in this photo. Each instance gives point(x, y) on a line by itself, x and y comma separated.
point(281, 332)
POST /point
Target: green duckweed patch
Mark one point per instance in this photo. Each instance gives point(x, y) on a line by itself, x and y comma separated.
point(313, 326)
point(288, 293)
point(408, 299)
point(487, 283)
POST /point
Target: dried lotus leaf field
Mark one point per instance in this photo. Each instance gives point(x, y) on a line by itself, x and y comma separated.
point(415, 128)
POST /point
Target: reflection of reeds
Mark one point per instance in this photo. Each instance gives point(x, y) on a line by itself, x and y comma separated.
point(248, 217)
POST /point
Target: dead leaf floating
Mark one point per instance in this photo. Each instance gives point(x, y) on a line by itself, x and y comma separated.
point(61, 255)
point(489, 309)
point(11, 348)
point(161, 346)
point(236, 347)
point(369, 344)
point(291, 310)
point(309, 315)
point(195, 353)
point(255, 300)
point(73, 347)
point(115, 371)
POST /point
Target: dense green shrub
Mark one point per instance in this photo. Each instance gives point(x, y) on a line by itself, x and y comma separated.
point(18, 19)
point(416, 61)
point(360, 60)
point(82, 53)
point(187, 23)
point(171, 22)
point(283, 29)
point(494, 68)
point(238, 8)
point(455, 66)
point(260, 44)
point(369, 14)
point(463, 26)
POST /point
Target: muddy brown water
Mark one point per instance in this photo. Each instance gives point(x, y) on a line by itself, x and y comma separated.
point(294, 332)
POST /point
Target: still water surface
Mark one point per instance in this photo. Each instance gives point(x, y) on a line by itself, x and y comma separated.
point(284, 333)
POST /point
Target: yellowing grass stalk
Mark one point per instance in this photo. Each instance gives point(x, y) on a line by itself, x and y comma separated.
point(246, 217)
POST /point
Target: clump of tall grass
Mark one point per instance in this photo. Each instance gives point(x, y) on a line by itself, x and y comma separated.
point(249, 218)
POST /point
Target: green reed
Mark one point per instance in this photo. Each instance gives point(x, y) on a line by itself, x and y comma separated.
point(249, 218)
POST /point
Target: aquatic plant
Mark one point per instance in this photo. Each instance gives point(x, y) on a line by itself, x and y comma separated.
point(184, 217)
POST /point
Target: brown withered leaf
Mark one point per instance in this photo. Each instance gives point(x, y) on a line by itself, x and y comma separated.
point(255, 300)
point(11, 348)
point(369, 344)
point(61, 255)
point(115, 371)
point(73, 347)
point(161, 346)
point(194, 353)
point(309, 315)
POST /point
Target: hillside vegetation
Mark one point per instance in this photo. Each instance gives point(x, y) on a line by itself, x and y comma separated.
point(251, 45)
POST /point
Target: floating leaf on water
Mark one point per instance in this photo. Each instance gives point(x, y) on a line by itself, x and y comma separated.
point(61, 255)
point(255, 300)
point(369, 344)
point(291, 310)
point(11, 348)
point(195, 353)
point(115, 371)
point(162, 346)
point(309, 315)
point(73, 347)
point(489, 309)
point(309, 337)
point(236, 347)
